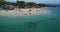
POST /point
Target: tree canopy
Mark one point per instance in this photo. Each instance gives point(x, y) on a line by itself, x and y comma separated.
point(21, 3)
point(2, 0)
point(31, 4)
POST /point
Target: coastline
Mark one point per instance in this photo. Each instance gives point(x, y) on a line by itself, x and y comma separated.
point(24, 12)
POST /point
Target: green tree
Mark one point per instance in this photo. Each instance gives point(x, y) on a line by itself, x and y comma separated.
point(31, 4)
point(2, 2)
point(42, 5)
point(20, 3)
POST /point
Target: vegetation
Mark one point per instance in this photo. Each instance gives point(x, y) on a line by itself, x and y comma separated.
point(22, 4)
point(30, 4)
point(1, 2)
point(42, 5)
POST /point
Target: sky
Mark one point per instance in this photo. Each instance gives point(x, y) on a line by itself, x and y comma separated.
point(39, 1)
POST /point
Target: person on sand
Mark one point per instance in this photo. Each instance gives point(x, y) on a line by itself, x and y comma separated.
point(20, 10)
point(29, 10)
point(29, 13)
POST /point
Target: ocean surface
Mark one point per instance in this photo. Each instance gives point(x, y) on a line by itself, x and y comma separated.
point(39, 23)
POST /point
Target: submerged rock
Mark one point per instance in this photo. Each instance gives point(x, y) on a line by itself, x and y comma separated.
point(31, 24)
point(52, 19)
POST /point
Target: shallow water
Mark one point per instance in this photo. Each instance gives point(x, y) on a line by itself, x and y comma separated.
point(38, 23)
point(1, 9)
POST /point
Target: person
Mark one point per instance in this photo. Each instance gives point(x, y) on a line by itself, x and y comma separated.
point(29, 13)
point(29, 10)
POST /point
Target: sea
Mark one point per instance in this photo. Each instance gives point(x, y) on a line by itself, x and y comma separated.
point(38, 23)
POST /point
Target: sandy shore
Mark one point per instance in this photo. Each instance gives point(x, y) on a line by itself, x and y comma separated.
point(31, 11)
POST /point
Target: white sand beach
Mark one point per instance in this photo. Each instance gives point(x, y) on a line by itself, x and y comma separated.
point(29, 11)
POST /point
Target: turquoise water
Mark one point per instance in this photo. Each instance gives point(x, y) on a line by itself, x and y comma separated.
point(38, 23)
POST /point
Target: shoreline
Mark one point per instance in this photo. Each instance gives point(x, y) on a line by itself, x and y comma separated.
point(24, 12)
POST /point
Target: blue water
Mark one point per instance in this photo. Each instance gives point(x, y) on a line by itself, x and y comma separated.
point(38, 23)
point(1, 9)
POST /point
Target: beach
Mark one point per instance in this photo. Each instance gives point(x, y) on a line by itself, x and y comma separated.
point(29, 15)
point(22, 11)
